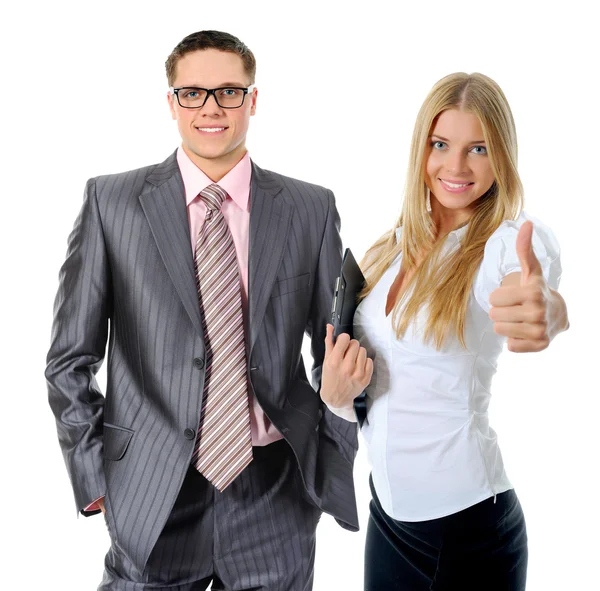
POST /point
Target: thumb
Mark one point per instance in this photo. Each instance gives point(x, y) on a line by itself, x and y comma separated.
point(530, 266)
point(329, 340)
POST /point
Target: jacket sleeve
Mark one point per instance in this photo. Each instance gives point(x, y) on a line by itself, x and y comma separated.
point(82, 311)
point(341, 432)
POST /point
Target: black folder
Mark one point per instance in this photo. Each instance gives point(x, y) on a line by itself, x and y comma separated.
point(345, 300)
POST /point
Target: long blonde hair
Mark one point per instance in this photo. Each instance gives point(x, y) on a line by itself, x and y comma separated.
point(444, 286)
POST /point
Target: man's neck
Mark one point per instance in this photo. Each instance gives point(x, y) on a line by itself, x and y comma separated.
point(216, 168)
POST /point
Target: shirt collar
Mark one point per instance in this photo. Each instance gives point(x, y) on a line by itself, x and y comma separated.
point(457, 235)
point(236, 182)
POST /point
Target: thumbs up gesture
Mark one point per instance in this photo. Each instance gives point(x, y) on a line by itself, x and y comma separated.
point(524, 308)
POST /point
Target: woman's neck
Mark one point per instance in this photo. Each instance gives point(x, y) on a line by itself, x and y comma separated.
point(445, 220)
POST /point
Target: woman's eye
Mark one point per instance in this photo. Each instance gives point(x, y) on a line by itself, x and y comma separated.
point(479, 150)
point(438, 145)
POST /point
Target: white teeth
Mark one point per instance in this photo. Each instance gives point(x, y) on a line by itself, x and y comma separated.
point(211, 129)
point(454, 185)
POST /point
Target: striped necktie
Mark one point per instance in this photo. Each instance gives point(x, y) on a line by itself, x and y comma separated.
point(224, 443)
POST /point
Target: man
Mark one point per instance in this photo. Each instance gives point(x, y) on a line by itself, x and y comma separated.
point(210, 455)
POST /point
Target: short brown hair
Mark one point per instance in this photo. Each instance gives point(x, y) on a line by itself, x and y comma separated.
point(210, 40)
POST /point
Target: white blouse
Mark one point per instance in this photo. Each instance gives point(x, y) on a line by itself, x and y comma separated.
point(430, 443)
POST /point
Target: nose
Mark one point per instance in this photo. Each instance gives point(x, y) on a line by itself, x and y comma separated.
point(211, 106)
point(456, 162)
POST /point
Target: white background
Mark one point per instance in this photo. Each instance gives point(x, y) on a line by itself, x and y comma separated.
point(340, 84)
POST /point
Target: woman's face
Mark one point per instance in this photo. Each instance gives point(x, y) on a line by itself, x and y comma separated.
point(458, 169)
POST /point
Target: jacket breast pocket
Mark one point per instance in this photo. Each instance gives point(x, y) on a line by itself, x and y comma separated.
point(116, 441)
point(290, 285)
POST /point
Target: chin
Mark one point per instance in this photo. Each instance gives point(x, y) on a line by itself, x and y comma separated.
point(454, 205)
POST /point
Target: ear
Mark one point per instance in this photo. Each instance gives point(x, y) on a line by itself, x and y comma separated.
point(253, 103)
point(171, 99)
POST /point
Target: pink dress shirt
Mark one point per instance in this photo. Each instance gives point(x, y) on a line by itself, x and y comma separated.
point(236, 211)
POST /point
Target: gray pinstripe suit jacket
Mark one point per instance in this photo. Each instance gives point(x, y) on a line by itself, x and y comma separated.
point(129, 279)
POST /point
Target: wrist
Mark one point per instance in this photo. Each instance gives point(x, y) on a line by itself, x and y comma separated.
point(328, 397)
point(559, 320)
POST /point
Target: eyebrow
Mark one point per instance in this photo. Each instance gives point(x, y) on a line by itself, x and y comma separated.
point(447, 140)
point(223, 85)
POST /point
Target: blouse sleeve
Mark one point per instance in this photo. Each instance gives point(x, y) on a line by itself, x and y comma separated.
point(500, 257)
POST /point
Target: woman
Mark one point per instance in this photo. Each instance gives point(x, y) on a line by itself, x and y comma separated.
point(444, 514)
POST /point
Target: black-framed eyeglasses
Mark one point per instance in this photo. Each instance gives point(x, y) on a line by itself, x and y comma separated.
point(227, 97)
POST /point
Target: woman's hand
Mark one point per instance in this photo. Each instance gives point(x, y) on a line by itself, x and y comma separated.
point(525, 309)
point(347, 370)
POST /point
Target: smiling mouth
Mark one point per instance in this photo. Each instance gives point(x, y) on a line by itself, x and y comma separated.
point(454, 185)
point(211, 129)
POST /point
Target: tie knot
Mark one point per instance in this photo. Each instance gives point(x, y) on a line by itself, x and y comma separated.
point(213, 196)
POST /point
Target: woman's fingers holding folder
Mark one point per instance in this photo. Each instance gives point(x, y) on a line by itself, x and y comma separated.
point(347, 370)
point(329, 340)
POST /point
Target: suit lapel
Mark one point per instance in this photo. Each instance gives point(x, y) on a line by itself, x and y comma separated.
point(163, 203)
point(270, 217)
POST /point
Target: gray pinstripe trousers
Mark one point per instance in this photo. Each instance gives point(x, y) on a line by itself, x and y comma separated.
point(258, 534)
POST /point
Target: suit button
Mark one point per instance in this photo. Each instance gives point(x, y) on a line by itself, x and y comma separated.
point(189, 434)
point(198, 363)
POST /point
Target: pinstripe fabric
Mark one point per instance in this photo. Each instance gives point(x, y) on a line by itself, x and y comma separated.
point(201, 539)
point(129, 280)
point(224, 443)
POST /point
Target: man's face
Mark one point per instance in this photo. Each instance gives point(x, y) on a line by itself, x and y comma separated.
point(213, 136)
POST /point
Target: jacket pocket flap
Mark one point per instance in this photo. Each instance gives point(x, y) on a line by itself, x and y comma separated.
point(290, 285)
point(116, 440)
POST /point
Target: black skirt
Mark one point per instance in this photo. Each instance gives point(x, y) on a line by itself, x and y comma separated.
point(482, 548)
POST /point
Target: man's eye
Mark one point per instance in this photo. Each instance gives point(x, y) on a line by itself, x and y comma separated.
point(229, 91)
point(190, 94)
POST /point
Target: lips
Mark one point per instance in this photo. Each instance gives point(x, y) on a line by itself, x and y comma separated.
point(454, 184)
point(211, 129)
